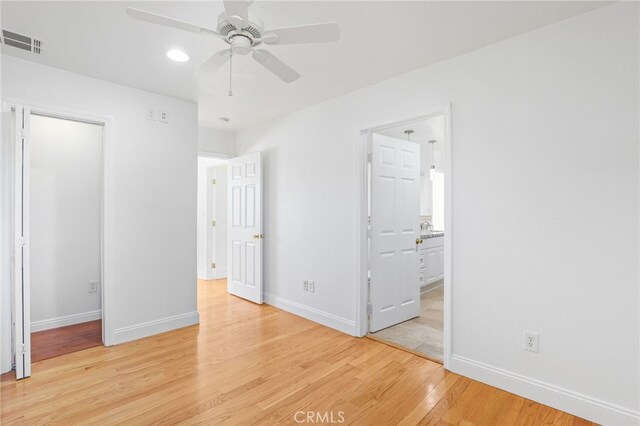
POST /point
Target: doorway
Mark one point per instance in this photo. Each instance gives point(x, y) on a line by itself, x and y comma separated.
point(406, 243)
point(58, 232)
point(230, 235)
point(65, 202)
point(212, 218)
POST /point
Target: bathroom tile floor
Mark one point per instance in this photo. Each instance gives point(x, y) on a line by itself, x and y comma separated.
point(424, 333)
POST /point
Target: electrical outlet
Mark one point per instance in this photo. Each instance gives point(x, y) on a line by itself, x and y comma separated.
point(163, 116)
point(312, 287)
point(531, 341)
point(93, 286)
point(305, 285)
point(151, 114)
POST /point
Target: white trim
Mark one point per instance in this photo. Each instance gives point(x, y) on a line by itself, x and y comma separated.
point(362, 291)
point(333, 321)
point(554, 396)
point(6, 248)
point(150, 328)
point(65, 320)
point(426, 289)
point(220, 272)
point(213, 154)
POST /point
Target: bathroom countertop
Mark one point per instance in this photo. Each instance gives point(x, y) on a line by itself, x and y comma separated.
point(432, 234)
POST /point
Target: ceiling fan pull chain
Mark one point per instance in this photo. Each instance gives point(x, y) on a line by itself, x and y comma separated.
point(230, 68)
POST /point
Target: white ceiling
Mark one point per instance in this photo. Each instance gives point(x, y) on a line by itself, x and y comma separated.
point(423, 130)
point(379, 40)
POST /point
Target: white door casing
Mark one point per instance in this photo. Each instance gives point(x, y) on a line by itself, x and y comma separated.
point(395, 227)
point(20, 276)
point(219, 212)
point(245, 227)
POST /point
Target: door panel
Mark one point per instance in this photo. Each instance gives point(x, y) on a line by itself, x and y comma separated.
point(245, 230)
point(20, 276)
point(395, 220)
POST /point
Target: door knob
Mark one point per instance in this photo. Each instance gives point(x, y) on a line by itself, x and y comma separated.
point(258, 236)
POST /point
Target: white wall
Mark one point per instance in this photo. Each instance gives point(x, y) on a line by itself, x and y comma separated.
point(545, 207)
point(65, 221)
point(214, 141)
point(151, 188)
point(5, 242)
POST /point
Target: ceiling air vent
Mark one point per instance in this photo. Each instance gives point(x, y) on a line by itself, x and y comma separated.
point(21, 42)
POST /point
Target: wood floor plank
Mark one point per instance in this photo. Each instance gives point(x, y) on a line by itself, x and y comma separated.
point(251, 364)
point(65, 340)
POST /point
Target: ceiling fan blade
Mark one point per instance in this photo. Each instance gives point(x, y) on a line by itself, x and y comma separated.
point(237, 12)
point(275, 65)
point(154, 18)
point(214, 63)
point(314, 33)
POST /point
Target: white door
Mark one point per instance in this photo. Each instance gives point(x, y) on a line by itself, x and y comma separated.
point(20, 273)
point(395, 227)
point(245, 227)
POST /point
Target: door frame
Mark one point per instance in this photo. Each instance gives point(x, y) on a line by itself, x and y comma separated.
point(362, 288)
point(106, 209)
point(210, 216)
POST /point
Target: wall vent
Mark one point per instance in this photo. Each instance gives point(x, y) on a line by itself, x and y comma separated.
point(20, 41)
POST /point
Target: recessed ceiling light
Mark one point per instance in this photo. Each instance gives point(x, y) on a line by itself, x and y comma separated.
point(177, 55)
point(225, 119)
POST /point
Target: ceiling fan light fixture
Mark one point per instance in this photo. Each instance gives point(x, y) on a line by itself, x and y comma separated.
point(177, 55)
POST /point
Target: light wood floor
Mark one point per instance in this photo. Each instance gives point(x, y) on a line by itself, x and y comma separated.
point(249, 364)
point(65, 340)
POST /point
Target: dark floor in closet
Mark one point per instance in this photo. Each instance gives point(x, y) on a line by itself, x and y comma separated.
point(64, 340)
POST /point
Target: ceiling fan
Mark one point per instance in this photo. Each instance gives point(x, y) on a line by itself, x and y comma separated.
point(244, 32)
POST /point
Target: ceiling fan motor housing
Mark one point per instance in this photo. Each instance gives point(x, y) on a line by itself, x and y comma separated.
point(241, 40)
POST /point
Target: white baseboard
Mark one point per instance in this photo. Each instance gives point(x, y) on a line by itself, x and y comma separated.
point(333, 321)
point(150, 328)
point(220, 272)
point(204, 276)
point(562, 399)
point(431, 286)
point(65, 320)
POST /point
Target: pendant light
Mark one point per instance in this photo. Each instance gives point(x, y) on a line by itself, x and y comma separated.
point(432, 171)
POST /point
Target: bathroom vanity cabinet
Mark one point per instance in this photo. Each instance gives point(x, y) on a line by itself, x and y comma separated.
point(431, 261)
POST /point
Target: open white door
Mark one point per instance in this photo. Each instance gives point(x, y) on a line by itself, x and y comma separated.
point(20, 270)
point(245, 227)
point(395, 230)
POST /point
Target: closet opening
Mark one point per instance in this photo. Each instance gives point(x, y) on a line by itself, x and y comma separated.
point(55, 214)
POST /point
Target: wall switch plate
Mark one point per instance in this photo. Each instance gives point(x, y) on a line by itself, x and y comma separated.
point(531, 341)
point(93, 286)
point(151, 114)
point(312, 287)
point(163, 116)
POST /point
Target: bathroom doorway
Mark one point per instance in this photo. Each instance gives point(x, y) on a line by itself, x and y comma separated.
point(407, 235)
